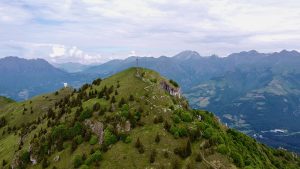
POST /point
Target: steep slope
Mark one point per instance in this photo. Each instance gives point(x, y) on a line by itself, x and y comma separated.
point(134, 119)
point(233, 86)
point(24, 78)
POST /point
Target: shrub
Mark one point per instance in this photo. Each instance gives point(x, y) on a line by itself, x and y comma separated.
point(128, 139)
point(208, 133)
point(25, 157)
point(93, 140)
point(78, 139)
point(59, 132)
point(77, 161)
point(185, 151)
point(179, 131)
point(3, 122)
point(137, 115)
point(173, 83)
point(77, 129)
point(154, 80)
point(94, 158)
point(186, 117)
point(85, 115)
point(176, 118)
point(125, 113)
point(222, 149)
point(109, 137)
point(237, 159)
point(84, 167)
point(216, 139)
point(97, 81)
point(96, 107)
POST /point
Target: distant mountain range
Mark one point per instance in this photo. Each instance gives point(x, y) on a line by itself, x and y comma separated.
point(257, 93)
point(22, 78)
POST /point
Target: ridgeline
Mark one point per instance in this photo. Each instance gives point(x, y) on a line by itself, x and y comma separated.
point(133, 119)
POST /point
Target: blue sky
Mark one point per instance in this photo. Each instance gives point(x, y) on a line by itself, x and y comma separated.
point(95, 31)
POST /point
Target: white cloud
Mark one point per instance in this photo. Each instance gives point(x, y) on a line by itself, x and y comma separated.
point(111, 29)
point(58, 51)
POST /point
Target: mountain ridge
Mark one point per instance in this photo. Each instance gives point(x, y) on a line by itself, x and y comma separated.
point(130, 119)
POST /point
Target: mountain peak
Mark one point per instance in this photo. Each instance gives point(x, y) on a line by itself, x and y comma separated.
point(290, 53)
point(187, 54)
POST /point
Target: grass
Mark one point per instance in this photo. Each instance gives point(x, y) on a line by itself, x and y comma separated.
point(148, 97)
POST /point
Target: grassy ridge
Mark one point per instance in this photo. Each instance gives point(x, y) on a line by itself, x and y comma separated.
point(4, 101)
point(141, 124)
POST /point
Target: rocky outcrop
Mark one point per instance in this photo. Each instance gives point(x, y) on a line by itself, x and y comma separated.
point(171, 90)
point(97, 128)
point(124, 127)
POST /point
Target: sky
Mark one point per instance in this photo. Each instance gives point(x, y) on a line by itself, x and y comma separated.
point(95, 31)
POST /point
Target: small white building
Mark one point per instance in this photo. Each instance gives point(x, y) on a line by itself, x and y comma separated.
point(65, 85)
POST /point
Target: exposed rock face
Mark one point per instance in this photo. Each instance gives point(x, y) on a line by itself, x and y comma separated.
point(56, 158)
point(171, 90)
point(97, 128)
point(33, 160)
point(124, 127)
point(127, 126)
point(15, 162)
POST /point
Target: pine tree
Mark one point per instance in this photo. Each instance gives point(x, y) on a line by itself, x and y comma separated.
point(113, 99)
point(45, 163)
point(157, 138)
point(121, 102)
point(188, 149)
point(74, 145)
point(131, 98)
point(153, 156)
point(139, 146)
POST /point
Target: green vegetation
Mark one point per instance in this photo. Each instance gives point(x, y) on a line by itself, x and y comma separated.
point(173, 83)
point(139, 126)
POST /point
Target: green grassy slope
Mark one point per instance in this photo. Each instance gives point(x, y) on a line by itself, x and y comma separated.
point(125, 121)
point(4, 101)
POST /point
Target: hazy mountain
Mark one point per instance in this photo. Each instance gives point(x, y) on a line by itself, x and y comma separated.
point(71, 67)
point(254, 92)
point(181, 67)
point(23, 78)
point(126, 121)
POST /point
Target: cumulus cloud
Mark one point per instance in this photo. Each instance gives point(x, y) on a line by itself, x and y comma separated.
point(57, 51)
point(98, 30)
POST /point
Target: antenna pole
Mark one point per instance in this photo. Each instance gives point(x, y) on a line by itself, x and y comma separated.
point(137, 66)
